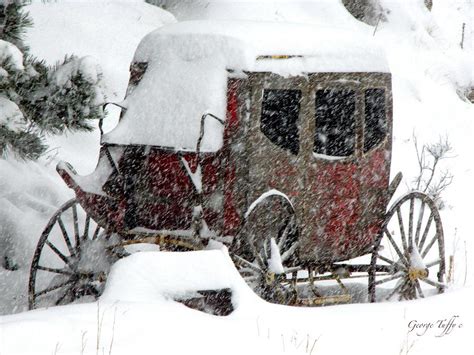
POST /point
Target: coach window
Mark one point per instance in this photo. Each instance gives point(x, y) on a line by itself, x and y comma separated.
point(279, 120)
point(335, 122)
point(375, 127)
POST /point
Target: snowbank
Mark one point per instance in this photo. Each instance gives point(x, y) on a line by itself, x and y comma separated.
point(320, 12)
point(30, 193)
point(157, 276)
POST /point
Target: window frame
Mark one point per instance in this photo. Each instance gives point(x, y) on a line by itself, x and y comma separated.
point(308, 84)
point(387, 119)
point(359, 82)
point(260, 81)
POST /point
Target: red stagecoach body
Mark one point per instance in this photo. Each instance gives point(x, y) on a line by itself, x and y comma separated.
point(340, 201)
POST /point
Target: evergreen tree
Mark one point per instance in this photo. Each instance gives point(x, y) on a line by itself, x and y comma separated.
point(36, 99)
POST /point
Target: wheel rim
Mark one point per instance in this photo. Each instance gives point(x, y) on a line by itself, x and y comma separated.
point(71, 259)
point(271, 224)
point(408, 261)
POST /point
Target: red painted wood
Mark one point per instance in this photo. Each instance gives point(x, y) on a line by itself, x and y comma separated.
point(232, 217)
point(106, 211)
point(345, 200)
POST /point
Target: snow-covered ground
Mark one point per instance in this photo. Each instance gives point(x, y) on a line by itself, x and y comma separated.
point(136, 313)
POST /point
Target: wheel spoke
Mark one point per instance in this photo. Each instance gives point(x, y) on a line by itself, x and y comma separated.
point(66, 236)
point(247, 272)
point(258, 257)
point(425, 232)
point(398, 266)
point(430, 244)
point(402, 229)
point(396, 289)
point(390, 278)
point(248, 263)
point(418, 288)
point(54, 271)
point(387, 260)
point(251, 278)
point(410, 223)
point(419, 222)
point(286, 232)
point(434, 283)
point(433, 263)
point(58, 253)
point(76, 226)
point(400, 255)
point(53, 288)
point(68, 291)
point(408, 290)
point(86, 227)
point(108, 234)
point(289, 252)
point(96, 233)
point(265, 251)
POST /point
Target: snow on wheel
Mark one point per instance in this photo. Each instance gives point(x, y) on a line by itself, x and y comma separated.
point(71, 259)
point(265, 250)
point(408, 261)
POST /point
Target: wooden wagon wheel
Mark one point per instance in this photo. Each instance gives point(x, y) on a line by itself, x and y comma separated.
point(266, 247)
point(408, 260)
point(71, 259)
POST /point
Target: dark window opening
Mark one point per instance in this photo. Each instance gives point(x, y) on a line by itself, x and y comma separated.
point(375, 118)
point(335, 122)
point(279, 121)
point(137, 71)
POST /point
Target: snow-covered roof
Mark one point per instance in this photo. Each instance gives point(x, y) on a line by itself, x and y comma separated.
point(322, 48)
point(188, 65)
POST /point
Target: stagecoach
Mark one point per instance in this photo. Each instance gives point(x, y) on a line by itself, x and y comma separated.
point(273, 140)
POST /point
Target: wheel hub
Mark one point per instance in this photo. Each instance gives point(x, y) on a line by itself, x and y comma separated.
point(269, 278)
point(417, 274)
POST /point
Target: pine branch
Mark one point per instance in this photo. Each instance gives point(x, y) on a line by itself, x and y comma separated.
point(52, 99)
point(16, 23)
point(24, 145)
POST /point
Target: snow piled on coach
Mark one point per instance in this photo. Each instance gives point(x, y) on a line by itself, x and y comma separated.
point(189, 63)
point(186, 77)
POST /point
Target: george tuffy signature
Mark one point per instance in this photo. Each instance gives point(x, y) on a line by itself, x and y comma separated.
point(440, 327)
